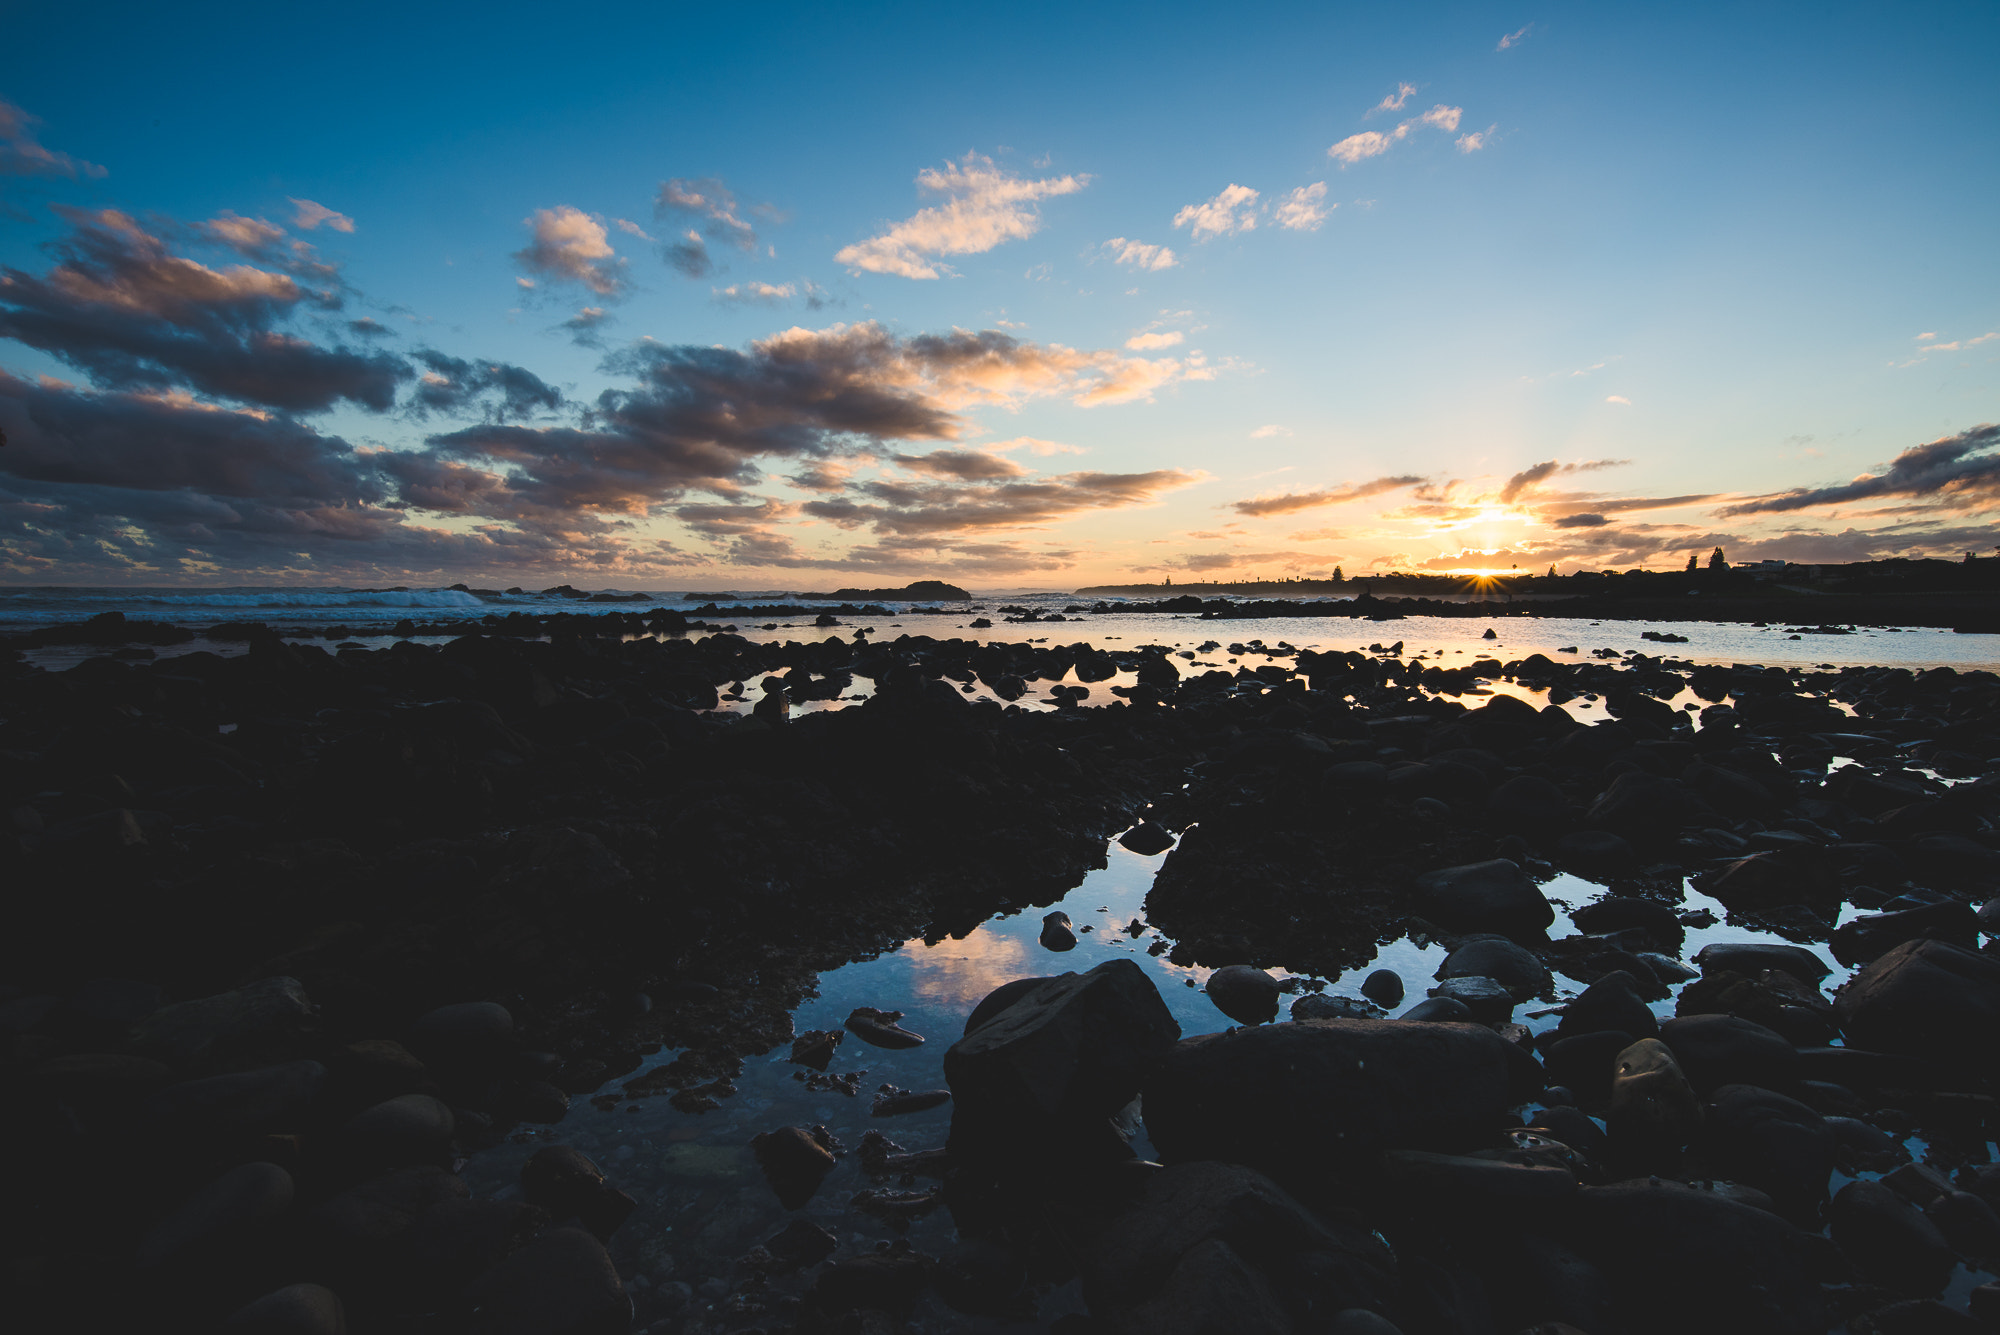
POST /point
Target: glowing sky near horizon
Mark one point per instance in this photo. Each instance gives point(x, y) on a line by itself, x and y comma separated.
point(1033, 296)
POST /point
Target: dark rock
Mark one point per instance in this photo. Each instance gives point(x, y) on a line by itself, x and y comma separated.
point(1488, 1000)
point(999, 999)
point(1926, 998)
point(564, 1181)
point(1717, 1050)
point(1584, 1063)
point(228, 1213)
point(1424, 1182)
point(794, 1162)
point(1753, 957)
point(801, 1244)
point(815, 1048)
point(1300, 1101)
point(1641, 805)
point(1612, 1002)
point(1057, 932)
point(1246, 995)
point(1319, 1006)
point(454, 1242)
point(210, 1028)
point(408, 1129)
point(1494, 896)
point(886, 1282)
point(245, 1103)
point(357, 1228)
point(1619, 913)
point(1383, 987)
point(1502, 960)
point(1889, 1241)
point(1915, 1316)
point(1598, 854)
point(896, 1102)
point(1969, 1224)
point(564, 1284)
point(1147, 839)
point(1870, 937)
point(1652, 1110)
point(1571, 1127)
point(374, 1069)
point(879, 1028)
point(1529, 802)
point(468, 1030)
point(1439, 1010)
point(1781, 1003)
point(297, 1309)
point(1773, 1143)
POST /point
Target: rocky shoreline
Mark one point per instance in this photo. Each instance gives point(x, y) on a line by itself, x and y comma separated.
point(295, 931)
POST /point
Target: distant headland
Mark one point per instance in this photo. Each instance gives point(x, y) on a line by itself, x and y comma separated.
point(923, 591)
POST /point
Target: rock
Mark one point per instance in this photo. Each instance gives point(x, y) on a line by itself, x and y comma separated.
point(800, 1244)
point(564, 1284)
point(1361, 1321)
point(1383, 987)
point(1439, 1010)
point(794, 1162)
point(1301, 1102)
point(1585, 1063)
point(1494, 896)
point(1678, 1259)
point(1653, 1110)
point(211, 1028)
point(1753, 957)
point(1244, 994)
point(408, 1129)
point(815, 1048)
point(229, 1213)
point(1928, 999)
point(374, 1069)
point(999, 999)
point(454, 1242)
point(1572, 1128)
point(1717, 1050)
point(1618, 913)
point(296, 1309)
point(1773, 1143)
point(1612, 1002)
point(1487, 1000)
point(1916, 1316)
point(1640, 805)
point(1889, 1241)
point(1216, 1246)
point(1529, 802)
point(1423, 1182)
point(1147, 839)
point(1775, 999)
point(895, 1102)
point(1869, 937)
point(563, 1181)
point(245, 1103)
point(1319, 1006)
point(1596, 854)
point(466, 1031)
point(878, 1028)
point(1074, 1049)
point(1502, 960)
point(101, 1083)
point(882, 1282)
point(357, 1228)
point(1057, 932)
point(1969, 1224)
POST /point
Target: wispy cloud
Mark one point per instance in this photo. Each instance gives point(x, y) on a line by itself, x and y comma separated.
point(21, 153)
point(1473, 142)
point(1514, 38)
point(1268, 431)
point(1618, 398)
point(1373, 143)
point(569, 245)
point(761, 294)
point(1035, 445)
point(1234, 210)
point(1303, 209)
point(1291, 502)
point(984, 207)
point(711, 209)
point(1930, 345)
point(630, 228)
point(1139, 254)
point(1152, 342)
point(1952, 472)
point(583, 327)
point(307, 215)
point(1394, 101)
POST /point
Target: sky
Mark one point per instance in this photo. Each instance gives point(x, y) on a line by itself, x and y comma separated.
point(1031, 296)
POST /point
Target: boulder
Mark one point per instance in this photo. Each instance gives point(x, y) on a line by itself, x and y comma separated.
point(296, 1309)
point(1319, 1006)
point(243, 1103)
point(1773, 1143)
point(1301, 1102)
point(1612, 1002)
point(1871, 936)
point(794, 1161)
point(408, 1129)
point(357, 1228)
point(465, 1031)
point(1487, 1000)
point(1619, 913)
point(1639, 805)
point(1889, 1241)
point(1502, 960)
point(1494, 896)
point(1597, 854)
point(231, 1211)
point(1653, 1110)
point(563, 1181)
point(1147, 839)
point(1717, 1050)
point(1753, 957)
point(1244, 994)
point(1529, 802)
point(213, 1028)
point(1384, 987)
point(564, 1284)
point(1926, 999)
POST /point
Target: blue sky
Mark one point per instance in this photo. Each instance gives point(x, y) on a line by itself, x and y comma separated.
point(988, 297)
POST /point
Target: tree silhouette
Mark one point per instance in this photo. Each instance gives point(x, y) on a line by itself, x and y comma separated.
point(1716, 561)
point(1691, 563)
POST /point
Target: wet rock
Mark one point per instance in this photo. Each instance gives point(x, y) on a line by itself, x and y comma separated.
point(1319, 1006)
point(1753, 957)
point(1147, 839)
point(878, 1028)
point(468, 1030)
point(1717, 1050)
point(1678, 1259)
point(1872, 936)
point(1596, 854)
point(1571, 1127)
point(1487, 1000)
point(1383, 987)
point(1302, 1101)
point(564, 1284)
point(1889, 1241)
point(1773, 1143)
point(1612, 1002)
point(1057, 932)
point(815, 1047)
point(1775, 999)
point(801, 1244)
point(1494, 896)
point(454, 1242)
point(357, 1229)
point(794, 1162)
point(408, 1129)
point(999, 999)
point(244, 1103)
point(1427, 1183)
point(229, 1213)
point(1439, 1010)
point(1640, 805)
point(212, 1028)
point(374, 1069)
point(101, 1083)
point(1619, 913)
point(1653, 1110)
point(564, 1181)
point(1361, 1321)
point(1585, 1063)
point(1073, 1049)
point(1915, 1316)
point(1926, 998)
point(297, 1309)
point(1503, 961)
point(1969, 1224)
point(1244, 994)
point(893, 1102)
point(1216, 1246)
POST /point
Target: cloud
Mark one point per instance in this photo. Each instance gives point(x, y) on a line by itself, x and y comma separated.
point(1956, 345)
point(1472, 143)
point(1951, 472)
point(1395, 100)
point(959, 465)
point(910, 509)
point(1303, 209)
point(984, 207)
point(1234, 210)
point(759, 294)
point(1514, 38)
point(569, 245)
point(584, 325)
point(21, 154)
point(1373, 143)
point(121, 307)
point(1618, 398)
point(630, 228)
point(1269, 430)
point(499, 390)
point(306, 215)
point(1033, 445)
point(1580, 521)
point(369, 327)
point(1528, 478)
point(1139, 254)
point(1287, 504)
point(1154, 342)
point(688, 255)
point(712, 207)
point(250, 237)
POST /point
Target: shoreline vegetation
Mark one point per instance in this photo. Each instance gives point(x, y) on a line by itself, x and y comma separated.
point(294, 931)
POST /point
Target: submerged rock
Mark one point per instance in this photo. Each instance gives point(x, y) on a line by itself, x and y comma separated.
point(879, 1028)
